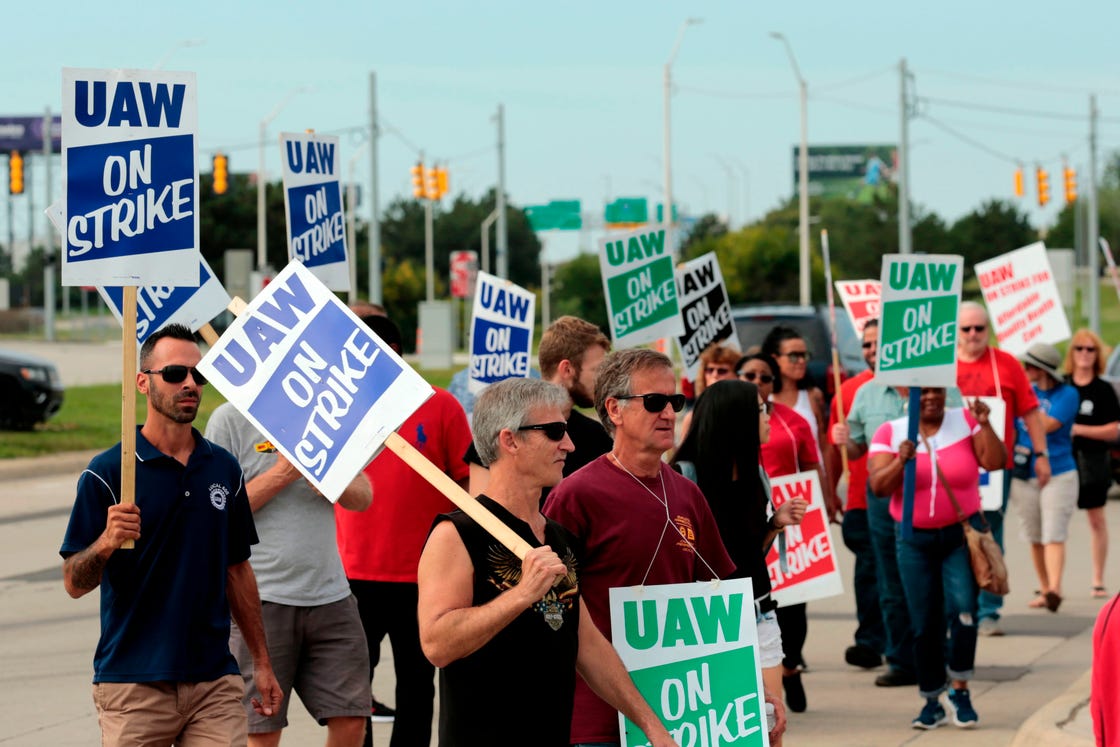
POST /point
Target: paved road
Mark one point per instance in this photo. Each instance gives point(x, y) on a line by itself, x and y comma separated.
point(47, 640)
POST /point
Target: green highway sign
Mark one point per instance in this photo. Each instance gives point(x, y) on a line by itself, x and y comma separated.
point(557, 215)
point(628, 210)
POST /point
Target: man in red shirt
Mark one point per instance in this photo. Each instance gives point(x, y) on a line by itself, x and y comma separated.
point(380, 547)
point(870, 636)
point(983, 371)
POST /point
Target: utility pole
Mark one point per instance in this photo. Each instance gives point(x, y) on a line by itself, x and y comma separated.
point(49, 252)
point(502, 260)
point(486, 240)
point(1094, 224)
point(374, 202)
point(904, 236)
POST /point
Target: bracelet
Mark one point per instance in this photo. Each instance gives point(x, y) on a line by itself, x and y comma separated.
point(772, 526)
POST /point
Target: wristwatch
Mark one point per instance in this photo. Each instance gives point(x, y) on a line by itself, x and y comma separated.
point(1041, 454)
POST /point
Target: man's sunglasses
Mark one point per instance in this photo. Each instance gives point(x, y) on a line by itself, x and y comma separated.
point(656, 402)
point(976, 327)
point(553, 431)
point(177, 374)
point(751, 376)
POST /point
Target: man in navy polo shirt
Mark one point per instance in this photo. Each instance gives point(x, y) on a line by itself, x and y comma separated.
point(163, 670)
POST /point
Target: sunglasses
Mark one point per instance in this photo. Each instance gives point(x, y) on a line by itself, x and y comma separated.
point(717, 370)
point(178, 374)
point(751, 376)
point(975, 327)
point(656, 402)
point(552, 431)
point(797, 356)
point(1084, 349)
point(868, 345)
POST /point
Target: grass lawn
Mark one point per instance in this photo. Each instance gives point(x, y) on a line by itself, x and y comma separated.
point(90, 419)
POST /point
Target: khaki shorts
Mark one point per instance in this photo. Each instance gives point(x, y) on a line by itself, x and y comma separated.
point(320, 651)
point(156, 714)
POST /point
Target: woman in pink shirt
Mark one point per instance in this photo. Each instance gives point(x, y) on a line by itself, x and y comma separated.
point(934, 561)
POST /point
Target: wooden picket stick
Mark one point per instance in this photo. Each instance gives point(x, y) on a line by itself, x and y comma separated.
point(842, 483)
point(209, 334)
point(128, 401)
point(1106, 250)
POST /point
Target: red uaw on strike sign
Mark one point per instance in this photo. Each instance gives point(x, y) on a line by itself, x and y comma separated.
point(860, 299)
point(464, 273)
point(812, 571)
point(1022, 298)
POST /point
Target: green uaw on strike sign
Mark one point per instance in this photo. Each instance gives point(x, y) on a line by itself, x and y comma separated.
point(640, 286)
point(692, 651)
point(918, 328)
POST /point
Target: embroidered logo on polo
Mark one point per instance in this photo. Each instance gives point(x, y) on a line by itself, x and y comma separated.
point(688, 535)
point(219, 494)
point(505, 573)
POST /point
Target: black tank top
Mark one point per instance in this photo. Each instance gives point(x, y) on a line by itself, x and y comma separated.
point(517, 689)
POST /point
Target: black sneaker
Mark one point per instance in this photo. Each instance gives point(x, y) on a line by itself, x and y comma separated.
point(862, 656)
point(381, 713)
point(931, 717)
point(795, 692)
point(896, 678)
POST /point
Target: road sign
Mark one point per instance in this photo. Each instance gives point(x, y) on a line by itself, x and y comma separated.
point(629, 210)
point(557, 215)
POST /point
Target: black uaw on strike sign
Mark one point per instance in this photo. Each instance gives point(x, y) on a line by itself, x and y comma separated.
point(705, 310)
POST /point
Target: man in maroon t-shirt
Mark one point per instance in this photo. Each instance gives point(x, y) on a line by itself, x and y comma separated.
point(618, 506)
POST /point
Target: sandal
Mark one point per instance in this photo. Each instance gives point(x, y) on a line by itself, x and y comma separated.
point(1053, 600)
point(1039, 601)
point(1099, 592)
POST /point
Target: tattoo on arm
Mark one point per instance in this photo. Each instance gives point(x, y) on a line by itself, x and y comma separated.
point(86, 568)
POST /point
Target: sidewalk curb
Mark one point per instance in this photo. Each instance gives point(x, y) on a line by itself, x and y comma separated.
point(22, 468)
point(1061, 722)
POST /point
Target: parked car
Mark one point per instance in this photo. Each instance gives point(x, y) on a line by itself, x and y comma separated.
point(754, 322)
point(30, 390)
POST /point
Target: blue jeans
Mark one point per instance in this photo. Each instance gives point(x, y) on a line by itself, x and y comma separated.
point(939, 584)
point(857, 538)
point(899, 648)
point(988, 604)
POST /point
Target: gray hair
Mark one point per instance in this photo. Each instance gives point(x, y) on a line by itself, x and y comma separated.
point(972, 305)
point(617, 373)
point(506, 405)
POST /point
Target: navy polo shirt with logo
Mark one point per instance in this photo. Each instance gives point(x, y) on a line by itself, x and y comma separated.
point(164, 611)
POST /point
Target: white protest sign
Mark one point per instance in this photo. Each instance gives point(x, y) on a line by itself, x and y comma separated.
point(692, 652)
point(313, 379)
point(129, 178)
point(991, 483)
point(705, 310)
point(918, 328)
point(160, 305)
point(810, 555)
point(313, 206)
point(639, 286)
point(501, 332)
point(1024, 305)
point(860, 299)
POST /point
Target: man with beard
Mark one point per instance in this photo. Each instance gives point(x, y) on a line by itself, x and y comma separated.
point(163, 670)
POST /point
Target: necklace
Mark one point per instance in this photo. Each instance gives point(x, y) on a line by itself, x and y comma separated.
point(663, 499)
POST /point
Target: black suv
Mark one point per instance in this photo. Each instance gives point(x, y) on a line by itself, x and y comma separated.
point(30, 390)
point(754, 322)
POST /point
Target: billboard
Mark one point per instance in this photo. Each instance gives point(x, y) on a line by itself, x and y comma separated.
point(856, 172)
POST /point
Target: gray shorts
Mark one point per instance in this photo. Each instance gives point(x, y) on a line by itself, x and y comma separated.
point(320, 651)
point(1044, 513)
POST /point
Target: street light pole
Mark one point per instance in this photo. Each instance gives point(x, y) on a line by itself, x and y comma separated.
point(262, 179)
point(667, 81)
point(177, 46)
point(803, 169)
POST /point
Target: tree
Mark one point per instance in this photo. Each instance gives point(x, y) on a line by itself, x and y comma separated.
point(996, 227)
point(577, 289)
point(701, 237)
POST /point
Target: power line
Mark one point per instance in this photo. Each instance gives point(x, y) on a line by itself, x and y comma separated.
point(1013, 110)
point(853, 104)
point(735, 94)
point(858, 79)
point(970, 141)
point(1017, 84)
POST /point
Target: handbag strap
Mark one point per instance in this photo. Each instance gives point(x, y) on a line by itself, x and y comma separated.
point(945, 483)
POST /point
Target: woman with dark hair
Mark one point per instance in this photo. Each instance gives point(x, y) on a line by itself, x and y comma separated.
point(730, 421)
point(791, 448)
point(786, 346)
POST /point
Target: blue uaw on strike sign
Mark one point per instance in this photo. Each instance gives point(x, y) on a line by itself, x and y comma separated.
point(313, 379)
point(160, 305)
point(501, 332)
point(130, 178)
point(313, 205)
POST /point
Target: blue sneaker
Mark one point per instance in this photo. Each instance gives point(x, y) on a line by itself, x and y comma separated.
point(961, 710)
point(931, 717)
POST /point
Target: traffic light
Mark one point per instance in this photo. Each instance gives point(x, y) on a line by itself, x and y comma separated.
point(1069, 179)
point(15, 173)
point(441, 180)
point(221, 173)
point(1019, 182)
point(418, 180)
point(431, 183)
point(1043, 186)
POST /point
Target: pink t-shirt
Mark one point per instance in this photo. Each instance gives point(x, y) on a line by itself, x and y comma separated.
point(952, 446)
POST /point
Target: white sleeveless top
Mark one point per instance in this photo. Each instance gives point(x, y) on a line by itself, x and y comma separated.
point(804, 407)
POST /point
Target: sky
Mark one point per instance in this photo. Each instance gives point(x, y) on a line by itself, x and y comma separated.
point(581, 86)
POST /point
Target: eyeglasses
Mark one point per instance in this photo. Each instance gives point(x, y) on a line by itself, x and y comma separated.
point(974, 327)
point(656, 402)
point(751, 376)
point(869, 345)
point(717, 370)
point(797, 356)
point(1084, 349)
point(552, 431)
point(177, 374)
